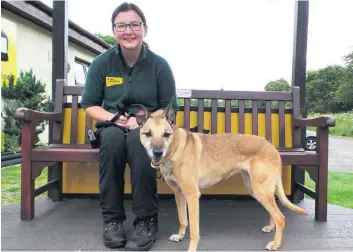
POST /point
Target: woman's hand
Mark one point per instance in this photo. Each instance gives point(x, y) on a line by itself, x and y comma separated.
point(131, 123)
point(122, 120)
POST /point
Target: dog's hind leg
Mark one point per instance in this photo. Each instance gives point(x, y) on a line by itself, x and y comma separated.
point(247, 182)
point(263, 192)
point(270, 227)
point(182, 214)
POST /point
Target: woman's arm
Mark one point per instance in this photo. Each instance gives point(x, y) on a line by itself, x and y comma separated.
point(93, 94)
point(166, 87)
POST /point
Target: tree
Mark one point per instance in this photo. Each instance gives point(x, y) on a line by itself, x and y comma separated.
point(278, 85)
point(344, 94)
point(327, 90)
point(321, 89)
point(107, 39)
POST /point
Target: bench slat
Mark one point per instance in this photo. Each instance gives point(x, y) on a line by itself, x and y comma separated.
point(228, 120)
point(83, 153)
point(282, 133)
point(187, 113)
point(241, 95)
point(200, 115)
point(214, 94)
point(74, 115)
point(299, 158)
point(59, 98)
point(241, 117)
point(214, 116)
point(255, 117)
point(66, 154)
point(73, 90)
point(268, 121)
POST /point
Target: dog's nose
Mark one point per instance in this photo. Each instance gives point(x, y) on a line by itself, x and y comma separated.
point(157, 152)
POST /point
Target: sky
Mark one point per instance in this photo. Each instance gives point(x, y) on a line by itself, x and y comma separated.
point(230, 44)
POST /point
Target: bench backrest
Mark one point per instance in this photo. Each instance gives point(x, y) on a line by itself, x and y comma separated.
point(216, 109)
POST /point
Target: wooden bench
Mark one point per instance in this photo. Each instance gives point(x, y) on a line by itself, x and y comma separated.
point(274, 115)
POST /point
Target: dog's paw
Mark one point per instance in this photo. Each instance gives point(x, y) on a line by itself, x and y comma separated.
point(267, 229)
point(272, 246)
point(175, 237)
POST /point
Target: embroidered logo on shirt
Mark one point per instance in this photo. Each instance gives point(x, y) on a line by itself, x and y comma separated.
point(112, 81)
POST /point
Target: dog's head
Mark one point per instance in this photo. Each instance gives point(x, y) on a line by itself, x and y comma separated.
point(156, 133)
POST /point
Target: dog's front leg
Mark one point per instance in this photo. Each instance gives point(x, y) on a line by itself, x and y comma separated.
point(182, 214)
point(194, 219)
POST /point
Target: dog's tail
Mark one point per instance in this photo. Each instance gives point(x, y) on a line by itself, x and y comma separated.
point(284, 200)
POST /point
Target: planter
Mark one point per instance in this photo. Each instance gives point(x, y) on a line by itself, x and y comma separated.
point(10, 158)
point(11, 162)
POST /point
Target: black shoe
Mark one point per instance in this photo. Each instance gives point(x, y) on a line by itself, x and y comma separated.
point(144, 234)
point(114, 235)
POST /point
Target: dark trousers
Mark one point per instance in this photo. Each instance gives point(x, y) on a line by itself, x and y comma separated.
point(116, 149)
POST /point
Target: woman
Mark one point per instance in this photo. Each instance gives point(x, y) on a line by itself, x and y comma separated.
point(132, 74)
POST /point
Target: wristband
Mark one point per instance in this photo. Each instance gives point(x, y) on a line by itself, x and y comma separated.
point(115, 117)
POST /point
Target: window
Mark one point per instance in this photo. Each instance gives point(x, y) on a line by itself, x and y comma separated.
point(4, 47)
point(81, 69)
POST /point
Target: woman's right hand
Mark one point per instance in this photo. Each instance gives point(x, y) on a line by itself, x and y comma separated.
point(121, 121)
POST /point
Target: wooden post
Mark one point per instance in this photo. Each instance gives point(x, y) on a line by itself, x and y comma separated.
point(60, 37)
point(59, 42)
point(299, 76)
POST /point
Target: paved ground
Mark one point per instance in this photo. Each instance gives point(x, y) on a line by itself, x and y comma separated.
point(340, 154)
point(226, 225)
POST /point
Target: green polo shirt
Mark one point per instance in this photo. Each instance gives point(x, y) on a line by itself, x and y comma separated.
point(109, 80)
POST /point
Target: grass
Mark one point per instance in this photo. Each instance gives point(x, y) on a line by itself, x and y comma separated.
point(11, 184)
point(344, 124)
point(340, 188)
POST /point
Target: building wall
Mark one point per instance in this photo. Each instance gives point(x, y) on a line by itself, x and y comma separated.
point(34, 50)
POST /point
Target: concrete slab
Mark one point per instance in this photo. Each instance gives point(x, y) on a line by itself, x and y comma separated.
point(76, 224)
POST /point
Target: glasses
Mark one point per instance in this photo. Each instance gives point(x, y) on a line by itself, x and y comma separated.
point(134, 26)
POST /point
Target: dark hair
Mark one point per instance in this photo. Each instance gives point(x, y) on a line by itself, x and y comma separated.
point(127, 7)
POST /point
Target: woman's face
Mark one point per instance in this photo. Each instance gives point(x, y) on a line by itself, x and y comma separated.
point(129, 37)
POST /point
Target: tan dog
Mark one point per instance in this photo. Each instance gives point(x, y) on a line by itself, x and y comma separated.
point(191, 161)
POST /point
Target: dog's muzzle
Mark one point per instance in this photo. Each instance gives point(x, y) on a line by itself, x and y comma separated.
point(157, 152)
point(156, 159)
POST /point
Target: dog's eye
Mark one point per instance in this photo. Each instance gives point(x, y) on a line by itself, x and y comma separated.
point(147, 134)
point(166, 134)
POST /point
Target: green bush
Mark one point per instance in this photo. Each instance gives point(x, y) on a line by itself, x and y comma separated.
point(344, 123)
point(27, 92)
point(2, 141)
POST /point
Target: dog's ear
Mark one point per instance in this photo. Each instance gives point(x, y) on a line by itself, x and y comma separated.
point(169, 113)
point(142, 114)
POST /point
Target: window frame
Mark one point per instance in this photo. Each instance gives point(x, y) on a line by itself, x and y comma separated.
point(85, 65)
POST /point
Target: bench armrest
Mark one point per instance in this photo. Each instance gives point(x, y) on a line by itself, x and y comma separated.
point(33, 115)
point(322, 122)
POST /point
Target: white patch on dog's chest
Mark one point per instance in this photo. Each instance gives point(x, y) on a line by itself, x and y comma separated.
point(167, 170)
point(167, 173)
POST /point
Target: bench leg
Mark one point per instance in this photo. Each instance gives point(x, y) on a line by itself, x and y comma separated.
point(321, 185)
point(27, 181)
point(55, 172)
point(27, 191)
point(298, 176)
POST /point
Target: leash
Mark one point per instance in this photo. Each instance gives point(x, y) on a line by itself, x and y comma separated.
point(158, 171)
point(93, 137)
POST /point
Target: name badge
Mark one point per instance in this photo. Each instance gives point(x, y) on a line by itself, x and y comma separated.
point(112, 81)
